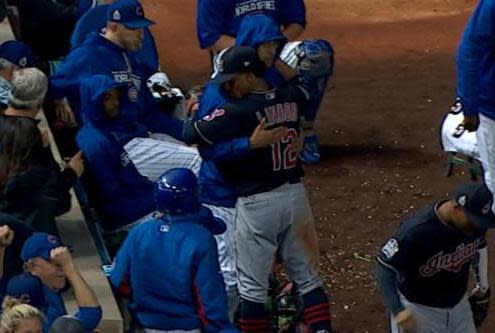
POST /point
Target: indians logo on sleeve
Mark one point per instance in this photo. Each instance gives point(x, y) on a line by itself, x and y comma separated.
point(452, 262)
point(390, 248)
point(214, 114)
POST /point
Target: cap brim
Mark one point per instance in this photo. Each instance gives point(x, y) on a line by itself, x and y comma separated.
point(481, 222)
point(140, 24)
point(222, 78)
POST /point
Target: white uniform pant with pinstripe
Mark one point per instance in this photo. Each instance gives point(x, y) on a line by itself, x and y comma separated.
point(154, 155)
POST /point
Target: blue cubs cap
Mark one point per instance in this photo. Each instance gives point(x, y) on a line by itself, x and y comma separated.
point(28, 289)
point(476, 201)
point(234, 60)
point(17, 53)
point(39, 245)
point(129, 13)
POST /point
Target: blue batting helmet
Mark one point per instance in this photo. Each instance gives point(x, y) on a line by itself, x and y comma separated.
point(176, 192)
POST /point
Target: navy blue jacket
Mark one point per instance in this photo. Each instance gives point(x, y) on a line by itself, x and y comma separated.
point(123, 194)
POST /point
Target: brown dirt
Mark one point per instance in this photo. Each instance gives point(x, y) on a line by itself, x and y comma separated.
point(395, 78)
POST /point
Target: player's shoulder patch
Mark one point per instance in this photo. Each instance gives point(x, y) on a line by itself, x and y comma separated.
point(215, 114)
point(390, 248)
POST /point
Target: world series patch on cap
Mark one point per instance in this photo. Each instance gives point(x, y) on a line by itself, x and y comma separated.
point(130, 13)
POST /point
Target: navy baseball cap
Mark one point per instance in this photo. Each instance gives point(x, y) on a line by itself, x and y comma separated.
point(215, 225)
point(234, 60)
point(28, 289)
point(476, 201)
point(17, 53)
point(39, 245)
point(129, 13)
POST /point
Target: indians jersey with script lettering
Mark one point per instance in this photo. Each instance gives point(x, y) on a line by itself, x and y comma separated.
point(433, 259)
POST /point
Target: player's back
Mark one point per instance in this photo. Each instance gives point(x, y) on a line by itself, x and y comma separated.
point(164, 260)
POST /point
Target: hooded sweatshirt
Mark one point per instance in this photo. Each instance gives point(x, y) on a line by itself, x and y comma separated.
point(98, 55)
point(257, 29)
point(123, 194)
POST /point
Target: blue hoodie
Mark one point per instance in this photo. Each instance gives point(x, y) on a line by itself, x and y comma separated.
point(222, 17)
point(123, 194)
point(476, 62)
point(98, 55)
point(181, 288)
point(257, 29)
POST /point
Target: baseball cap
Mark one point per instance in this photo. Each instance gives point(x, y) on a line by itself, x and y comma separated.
point(476, 201)
point(234, 60)
point(215, 225)
point(28, 289)
point(129, 13)
point(39, 245)
point(17, 53)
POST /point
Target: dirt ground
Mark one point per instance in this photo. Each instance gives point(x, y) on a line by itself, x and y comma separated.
point(379, 126)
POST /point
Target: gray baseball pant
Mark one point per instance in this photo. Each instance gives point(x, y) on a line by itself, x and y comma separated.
point(271, 221)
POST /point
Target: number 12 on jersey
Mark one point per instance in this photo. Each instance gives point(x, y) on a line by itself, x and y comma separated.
point(283, 155)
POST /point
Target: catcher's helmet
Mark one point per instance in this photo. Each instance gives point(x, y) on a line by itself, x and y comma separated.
point(316, 57)
point(176, 192)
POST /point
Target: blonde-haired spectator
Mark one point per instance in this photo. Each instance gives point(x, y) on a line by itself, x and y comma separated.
point(18, 317)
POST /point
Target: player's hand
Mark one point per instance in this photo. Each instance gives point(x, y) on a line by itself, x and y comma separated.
point(6, 236)
point(76, 163)
point(63, 111)
point(405, 320)
point(262, 137)
point(297, 145)
point(471, 123)
point(60, 256)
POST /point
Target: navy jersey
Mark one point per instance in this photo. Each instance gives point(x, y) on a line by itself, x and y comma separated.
point(222, 17)
point(261, 169)
point(431, 258)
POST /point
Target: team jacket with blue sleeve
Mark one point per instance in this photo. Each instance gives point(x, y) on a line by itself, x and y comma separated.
point(171, 264)
point(222, 17)
point(476, 62)
point(214, 189)
point(89, 317)
point(98, 55)
point(123, 194)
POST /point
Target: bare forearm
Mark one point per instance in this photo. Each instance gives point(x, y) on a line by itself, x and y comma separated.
point(293, 31)
point(85, 296)
point(222, 43)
